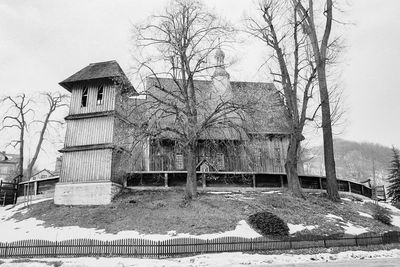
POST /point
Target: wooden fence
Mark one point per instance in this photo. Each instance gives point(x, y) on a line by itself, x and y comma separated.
point(181, 246)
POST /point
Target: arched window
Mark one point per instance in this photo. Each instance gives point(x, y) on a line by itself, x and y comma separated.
point(84, 97)
point(100, 95)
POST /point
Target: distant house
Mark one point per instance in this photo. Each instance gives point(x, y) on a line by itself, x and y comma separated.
point(43, 174)
point(8, 166)
point(41, 183)
point(92, 171)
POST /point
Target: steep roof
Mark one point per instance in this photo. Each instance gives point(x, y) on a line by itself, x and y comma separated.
point(268, 116)
point(8, 158)
point(100, 70)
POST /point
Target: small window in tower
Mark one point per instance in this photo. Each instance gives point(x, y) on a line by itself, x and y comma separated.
point(84, 97)
point(100, 95)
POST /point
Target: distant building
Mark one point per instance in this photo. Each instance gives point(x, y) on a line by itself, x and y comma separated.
point(43, 174)
point(57, 168)
point(8, 166)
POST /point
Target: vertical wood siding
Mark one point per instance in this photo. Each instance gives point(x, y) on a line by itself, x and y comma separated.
point(89, 131)
point(108, 96)
point(86, 166)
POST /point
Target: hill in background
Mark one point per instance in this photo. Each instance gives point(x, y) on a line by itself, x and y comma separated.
point(354, 161)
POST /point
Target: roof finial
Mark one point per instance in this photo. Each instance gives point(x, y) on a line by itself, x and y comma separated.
point(220, 66)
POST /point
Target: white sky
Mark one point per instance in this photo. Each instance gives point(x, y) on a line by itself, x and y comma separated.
point(43, 42)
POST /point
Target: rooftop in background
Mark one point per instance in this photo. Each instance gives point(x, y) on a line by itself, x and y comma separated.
point(99, 70)
point(8, 158)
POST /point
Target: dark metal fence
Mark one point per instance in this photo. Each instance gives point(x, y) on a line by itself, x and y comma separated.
point(181, 246)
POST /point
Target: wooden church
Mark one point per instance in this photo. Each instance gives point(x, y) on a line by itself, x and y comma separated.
point(100, 148)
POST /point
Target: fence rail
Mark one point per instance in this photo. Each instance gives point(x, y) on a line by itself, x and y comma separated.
point(180, 246)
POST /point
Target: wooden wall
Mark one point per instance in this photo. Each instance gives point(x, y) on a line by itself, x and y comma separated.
point(76, 97)
point(86, 166)
point(90, 131)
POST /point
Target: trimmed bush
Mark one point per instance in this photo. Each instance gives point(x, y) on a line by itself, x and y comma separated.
point(382, 214)
point(269, 224)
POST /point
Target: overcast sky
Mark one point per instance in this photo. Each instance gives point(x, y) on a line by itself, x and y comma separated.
point(43, 42)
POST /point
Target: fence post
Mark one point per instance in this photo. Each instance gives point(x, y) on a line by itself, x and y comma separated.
point(357, 240)
point(158, 249)
point(290, 243)
point(6, 252)
point(55, 249)
point(251, 244)
point(324, 243)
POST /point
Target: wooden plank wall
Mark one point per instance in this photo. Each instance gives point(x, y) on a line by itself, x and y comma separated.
point(108, 96)
point(86, 166)
point(97, 130)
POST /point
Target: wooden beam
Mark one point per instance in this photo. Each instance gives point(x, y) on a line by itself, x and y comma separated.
point(254, 180)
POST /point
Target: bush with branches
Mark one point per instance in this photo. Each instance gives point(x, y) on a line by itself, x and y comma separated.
point(269, 224)
point(382, 214)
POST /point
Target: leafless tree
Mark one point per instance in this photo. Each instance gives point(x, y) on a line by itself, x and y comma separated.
point(278, 26)
point(16, 117)
point(320, 46)
point(54, 101)
point(181, 42)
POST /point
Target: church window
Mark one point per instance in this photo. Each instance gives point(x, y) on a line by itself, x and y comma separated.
point(179, 161)
point(100, 95)
point(220, 161)
point(84, 97)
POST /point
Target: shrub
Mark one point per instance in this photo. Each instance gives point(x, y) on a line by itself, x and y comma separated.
point(269, 224)
point(382, 214)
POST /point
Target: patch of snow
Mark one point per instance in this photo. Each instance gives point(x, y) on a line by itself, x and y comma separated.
point(220, 259)
point(365, 214)
point(345, 199)
point(293, 228)
point(351, 229)
point(395, 213)
point(219, 193)
point(271, 192)
point(332, 216)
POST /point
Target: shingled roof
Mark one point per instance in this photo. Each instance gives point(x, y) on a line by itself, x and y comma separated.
point(99, 70)
point(268, 118)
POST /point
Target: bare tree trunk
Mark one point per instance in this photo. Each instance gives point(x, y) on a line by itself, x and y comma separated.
point(21, 155)
point(329, 155)
point(191, 180)
point(291, 166)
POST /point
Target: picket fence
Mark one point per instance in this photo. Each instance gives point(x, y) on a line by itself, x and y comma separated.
point(179, 246)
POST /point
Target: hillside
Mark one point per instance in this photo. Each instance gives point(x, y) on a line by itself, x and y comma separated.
point(154, 214)
point(354, 161)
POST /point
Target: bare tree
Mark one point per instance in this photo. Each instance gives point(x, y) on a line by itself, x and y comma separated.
point(320, 47)
point(280, 29)
point(181, 41)
point(16, 117)
point(54, 101)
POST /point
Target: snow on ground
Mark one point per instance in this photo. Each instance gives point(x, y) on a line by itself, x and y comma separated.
point(345, 199)
point(395, 213)
point(221, 259)
point(351, 229)
point(332, 216)
point(271, 192)
point(365, 214)
point(293, 228)
point(219, 193)
point(13, 230)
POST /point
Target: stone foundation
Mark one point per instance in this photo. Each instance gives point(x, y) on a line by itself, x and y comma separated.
point(100, 193)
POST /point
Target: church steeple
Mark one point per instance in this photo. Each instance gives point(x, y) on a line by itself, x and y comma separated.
point(220, 66)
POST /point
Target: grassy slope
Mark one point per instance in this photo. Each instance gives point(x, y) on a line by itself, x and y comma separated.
point(162, 211)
